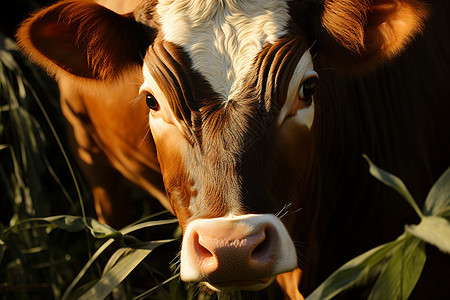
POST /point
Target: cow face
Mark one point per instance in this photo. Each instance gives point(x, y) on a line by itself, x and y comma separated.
point(226, 114)
point(219, 157)
point(230, 87)
point(228, 151)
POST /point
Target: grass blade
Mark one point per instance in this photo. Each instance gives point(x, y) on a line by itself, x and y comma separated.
point(394, 182)
point(150, 291)
point(2, 250)
point(355, 272)
point(402, 272)
point(433, 230)
point(83, 271)
point(124, 231)
point(438, 199)
point(115, 276)
point(121, 270)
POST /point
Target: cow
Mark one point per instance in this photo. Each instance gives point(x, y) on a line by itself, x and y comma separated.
point(211, 107)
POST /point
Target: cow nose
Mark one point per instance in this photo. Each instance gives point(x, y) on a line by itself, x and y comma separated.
point(227, 248)
point(243, 252)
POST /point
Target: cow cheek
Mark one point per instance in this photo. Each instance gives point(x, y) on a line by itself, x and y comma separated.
point(172, 149)
point(293, 148)
point(292, 165)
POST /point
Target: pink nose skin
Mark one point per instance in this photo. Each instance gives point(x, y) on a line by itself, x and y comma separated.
point(234, 253)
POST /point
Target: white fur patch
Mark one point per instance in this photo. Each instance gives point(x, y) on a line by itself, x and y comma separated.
point(223, 37)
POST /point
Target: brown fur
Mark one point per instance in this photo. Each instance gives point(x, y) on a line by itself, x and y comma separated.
point(231, 136)
point(396, 116)
point(75, 40)
point(359, 35)
point(289, 282)
point(112, 159)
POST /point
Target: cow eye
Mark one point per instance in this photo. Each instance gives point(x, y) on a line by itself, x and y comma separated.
point(306, 92)
point(151, 102)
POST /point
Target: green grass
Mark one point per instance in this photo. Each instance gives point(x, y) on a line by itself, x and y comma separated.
point(395, 267)
point(41, 257)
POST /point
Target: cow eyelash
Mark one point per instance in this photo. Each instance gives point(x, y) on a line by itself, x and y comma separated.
point(151, 101)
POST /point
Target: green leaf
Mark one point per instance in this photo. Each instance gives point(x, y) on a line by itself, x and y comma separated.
point(356, 272)
point(2, 250)
point(148, 224)
point(75, 224)
point(124, 231)
point(100, 250)
point(116, 275)
point(99, 230)
point(114, 258)
point(433, 230)
point(394, 182)
point(402, 272)
point(121, 270)
point(153, 289)
point(445, 213)
point(75, 295)
point(438, 199)
point(412, 268)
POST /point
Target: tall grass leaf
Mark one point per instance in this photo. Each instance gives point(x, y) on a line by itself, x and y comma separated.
point(7, 59)
point(151, 245)
point(75, 295)
point(61, 148)
point(114, 258)
point(394, 182)
point(116, 275)
point(21, 86)
point(152, 290)
point(412, 269)
point(438, 199)
point(433, 230)
point(356, 271)
point(400, 276)
point(145, 218)
point(12, 244)
point(100, 231)
point(445, 213)
point(24, 89)
point(2, 250)
point(83, 271)
point(124, 231)
point(75, 224)
point(6, 183)
point(148, 224)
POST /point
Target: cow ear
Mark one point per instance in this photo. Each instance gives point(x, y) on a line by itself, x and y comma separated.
point(84, 39)
point(359, 34)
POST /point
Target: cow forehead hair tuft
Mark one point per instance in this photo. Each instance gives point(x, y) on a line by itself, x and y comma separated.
point(222, 38)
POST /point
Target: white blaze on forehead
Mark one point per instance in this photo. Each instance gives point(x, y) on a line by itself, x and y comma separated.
point(223, 37)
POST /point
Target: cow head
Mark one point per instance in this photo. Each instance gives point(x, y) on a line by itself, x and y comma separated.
point(230, 87)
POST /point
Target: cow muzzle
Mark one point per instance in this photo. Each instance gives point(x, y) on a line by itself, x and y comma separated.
point(236, 253)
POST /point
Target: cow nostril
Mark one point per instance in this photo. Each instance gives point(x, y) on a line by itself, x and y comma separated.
point(264, 247)
point(201, 250)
